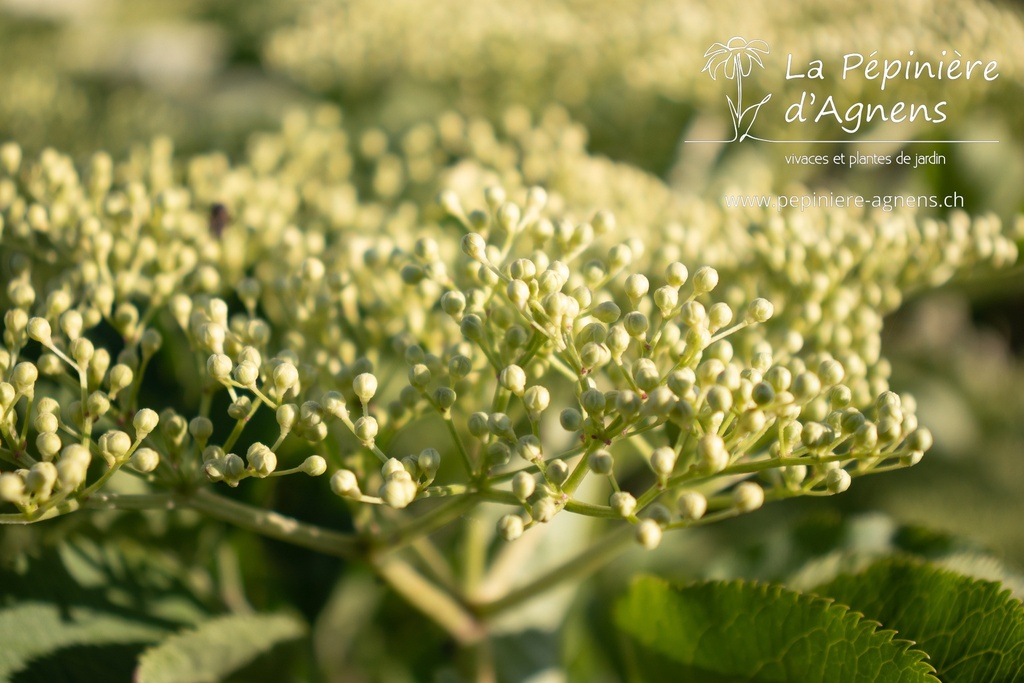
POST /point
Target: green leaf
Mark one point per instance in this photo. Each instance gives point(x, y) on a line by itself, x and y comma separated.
point(741, 631)
point(31, 630)
point(972, 629)
point(216, 648)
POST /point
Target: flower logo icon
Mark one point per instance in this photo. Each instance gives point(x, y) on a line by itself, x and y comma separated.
point(736, 59)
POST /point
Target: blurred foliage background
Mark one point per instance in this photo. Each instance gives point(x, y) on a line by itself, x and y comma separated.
point(83, 75)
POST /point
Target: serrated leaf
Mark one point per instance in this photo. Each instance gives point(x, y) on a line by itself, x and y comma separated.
point(742, 631)
point(31, 630)
point(972, 629)
point(216, 648)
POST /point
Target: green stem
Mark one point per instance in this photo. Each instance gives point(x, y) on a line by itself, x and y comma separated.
point(274, 525)
point(579, 566)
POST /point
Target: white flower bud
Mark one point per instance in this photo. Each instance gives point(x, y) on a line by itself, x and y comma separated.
point(518, 293)
point(760, 310)
point(523, 485)
point(314, 465)
point(635, 324)
point(365, 429)
point(285, 377)
point(24, 377)
point(663, 461)
point(712, 457)
point(623, 503)
point(345, 484)
point(637, 287)
point(666, 298)
point(144, 460)
point(40, 479)
point(262, 460)
point(398, 492)
point(648, 534)
point(475, 246)
point(116, 443)
point(12, 488)
point(544, 510)
point(705, 279)
point(48, 444)
point(121, 376)
point(747, 496)
point(513, 378)
point(246, 373)
point(364, 386)
point(39, 330)
point(201, 429)
point(837, 481)
point(145, 421)
point(510, 527)
point(219, 366)
point(692, 505)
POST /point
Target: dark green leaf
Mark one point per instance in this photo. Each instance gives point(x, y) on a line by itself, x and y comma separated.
point(216, 648)
point(741, 631)
point(972, 629)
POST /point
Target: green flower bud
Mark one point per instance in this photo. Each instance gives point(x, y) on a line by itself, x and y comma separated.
point(623, 503)
point(805, 386)
point(453, 303)
point(510, 527)
point(523, 485)
point(752, 421)
point(607, 312)
point(445, 398)
point(472, 327)
point(45, 422)
point(478, 425)
point(600, 462)
point(779, 378)
point(571, 420)
point(747, 496)
point(837, 481)
point(558, 472)
point(635, 324)
point(681, 382)
point(645, 374)
point(144, 460)
point(498, 453)
point(628, 404)
point(429, 460)
point(593, 401)
point(201, 429)
point(617, 341)
point(287, 415)
point(345, 484)
point(528, 447)
point(692, 505)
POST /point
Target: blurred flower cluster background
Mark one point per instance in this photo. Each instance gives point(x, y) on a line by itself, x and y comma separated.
point(593, 99)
